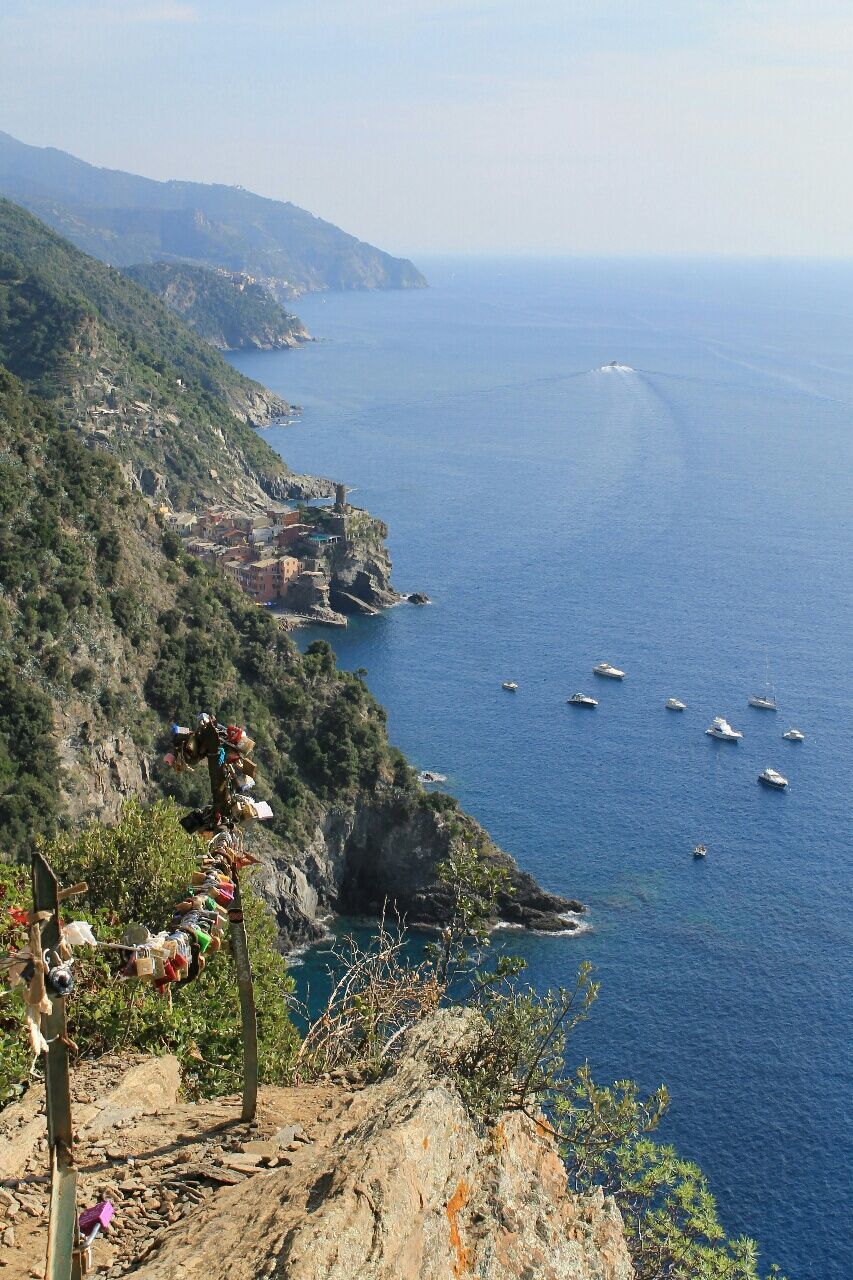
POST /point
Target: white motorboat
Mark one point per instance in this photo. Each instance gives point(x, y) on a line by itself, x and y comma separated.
point(794, 735)
point(673, 704)
point(581, 700)
point(771, 778)
point(721, 729)
point(510, 685)
point(610, 673)
point(765, 701)
point(699, 851)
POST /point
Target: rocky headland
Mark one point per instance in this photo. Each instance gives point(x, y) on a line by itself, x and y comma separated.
point(110, 406)
point(230, 310)
point(381, 856)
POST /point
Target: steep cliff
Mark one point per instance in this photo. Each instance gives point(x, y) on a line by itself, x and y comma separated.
point(361, 566)
point(382, 853)
point(120, 369)
point(336, 1180)
point(227, 309)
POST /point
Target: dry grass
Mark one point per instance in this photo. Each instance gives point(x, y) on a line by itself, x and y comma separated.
point(379, 994)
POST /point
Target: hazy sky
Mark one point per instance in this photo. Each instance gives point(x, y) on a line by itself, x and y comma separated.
point(540, 126)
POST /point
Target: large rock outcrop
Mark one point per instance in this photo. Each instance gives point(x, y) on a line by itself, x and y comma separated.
point(383, 855)
point(361, 566)
point(334, 1181)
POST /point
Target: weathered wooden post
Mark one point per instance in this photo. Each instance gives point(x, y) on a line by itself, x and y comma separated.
point(63, 1256)
point(245, 987)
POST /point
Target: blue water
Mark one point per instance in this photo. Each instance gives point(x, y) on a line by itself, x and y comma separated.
point(678, 521)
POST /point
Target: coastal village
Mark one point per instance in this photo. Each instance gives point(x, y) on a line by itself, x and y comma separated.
point(281, 557)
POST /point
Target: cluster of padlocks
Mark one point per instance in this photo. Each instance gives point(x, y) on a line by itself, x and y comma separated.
point(228, 751)
point(179, 953)
point(42, 967)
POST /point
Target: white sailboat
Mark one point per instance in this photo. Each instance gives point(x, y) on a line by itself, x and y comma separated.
point(765, 701)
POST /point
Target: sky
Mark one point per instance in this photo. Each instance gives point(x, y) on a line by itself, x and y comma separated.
point(467, 126)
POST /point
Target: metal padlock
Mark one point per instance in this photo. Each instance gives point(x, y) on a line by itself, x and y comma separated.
point(135, 935)
point(202, 938)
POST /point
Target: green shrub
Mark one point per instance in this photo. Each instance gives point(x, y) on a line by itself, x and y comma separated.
point(136, 871)
point(515, 1059)
point(28, 782)
point(438, 802)
point(14, 1045)
point(172, 546)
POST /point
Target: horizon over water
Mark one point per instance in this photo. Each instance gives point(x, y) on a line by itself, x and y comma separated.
point(680, 520)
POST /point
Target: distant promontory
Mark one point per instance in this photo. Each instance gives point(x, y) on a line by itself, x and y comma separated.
point(229, 310)
point(125, 219)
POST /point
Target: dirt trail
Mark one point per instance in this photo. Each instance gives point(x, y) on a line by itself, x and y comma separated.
point(332, 1181)
point(156, 1158)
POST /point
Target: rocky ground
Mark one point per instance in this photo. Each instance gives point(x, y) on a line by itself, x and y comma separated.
point(333, 1181)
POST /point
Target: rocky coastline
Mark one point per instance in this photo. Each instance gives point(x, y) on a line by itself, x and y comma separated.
point(381, 856)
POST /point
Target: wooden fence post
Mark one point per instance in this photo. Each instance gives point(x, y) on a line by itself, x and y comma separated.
point(245, 987)
point(63, 1256)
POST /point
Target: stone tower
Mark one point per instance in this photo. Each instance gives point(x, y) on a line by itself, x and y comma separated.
point(340, 498)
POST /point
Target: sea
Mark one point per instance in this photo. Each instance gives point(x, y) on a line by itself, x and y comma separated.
point(686, 516)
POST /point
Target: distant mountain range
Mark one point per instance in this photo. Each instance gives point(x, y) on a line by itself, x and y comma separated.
point(125, 219)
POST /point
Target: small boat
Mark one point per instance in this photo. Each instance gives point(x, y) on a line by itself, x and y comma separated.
point(794, 735)
point(765, 701)
point(699, 851)
point(673, 704)
point(610, 673)
point(771, 778)
point(721, 729)
point(581, 700)
point(509, 684)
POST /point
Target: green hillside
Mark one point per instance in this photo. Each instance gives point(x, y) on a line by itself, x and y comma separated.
point(227, 310)
point(122, 369)
point(125, 219)
point(106, 626)
point(108, 630)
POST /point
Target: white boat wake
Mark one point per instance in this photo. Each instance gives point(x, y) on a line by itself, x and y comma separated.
point(615, 367)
